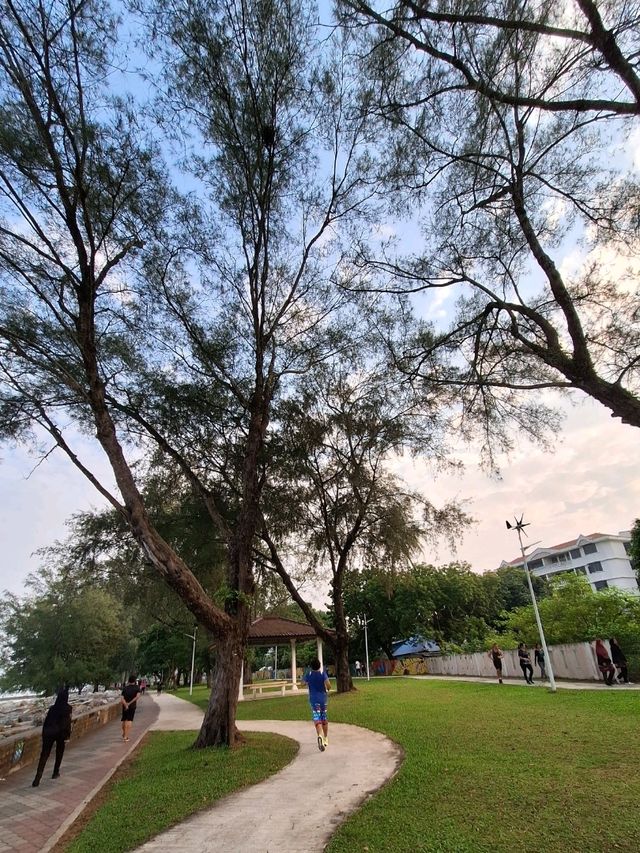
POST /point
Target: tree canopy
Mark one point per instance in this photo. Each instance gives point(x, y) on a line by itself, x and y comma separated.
point(506, 128)
point(55, 637)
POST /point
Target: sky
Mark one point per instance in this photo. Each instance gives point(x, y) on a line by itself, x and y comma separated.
point(589, 483)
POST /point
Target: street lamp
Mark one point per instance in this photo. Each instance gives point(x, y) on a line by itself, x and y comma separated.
point(193, 656)
point(366, 642)
point(519, 527)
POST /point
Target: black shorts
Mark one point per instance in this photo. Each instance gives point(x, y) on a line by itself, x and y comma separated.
point(128, 713)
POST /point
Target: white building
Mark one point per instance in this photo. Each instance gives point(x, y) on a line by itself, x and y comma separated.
point(602, 557)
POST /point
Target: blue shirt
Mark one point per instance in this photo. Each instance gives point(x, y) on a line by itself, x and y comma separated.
point(315, 681)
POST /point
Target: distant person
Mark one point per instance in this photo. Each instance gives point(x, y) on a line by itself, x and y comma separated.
point(55, 729)
point(143, 685)
point(538, 659)
point(159, 686)
point(358, 669)
point(605, 665)
point(619, 660)
point(495, 653)
point(129, 700)
point(525, 663)
point(319, 686)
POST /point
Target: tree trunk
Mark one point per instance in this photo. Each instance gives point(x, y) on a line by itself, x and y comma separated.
point(219, 724)
point(344, 682)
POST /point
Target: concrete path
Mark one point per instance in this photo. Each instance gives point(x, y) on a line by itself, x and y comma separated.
point(298, 809)
point(32, 820)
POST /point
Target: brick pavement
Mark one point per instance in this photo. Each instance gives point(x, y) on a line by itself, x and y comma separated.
point(33, 819)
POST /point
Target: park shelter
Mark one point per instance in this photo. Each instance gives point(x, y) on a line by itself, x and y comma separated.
point(276, 631)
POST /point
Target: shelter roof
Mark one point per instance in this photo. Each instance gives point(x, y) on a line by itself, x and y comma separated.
point(415, 646)
point(270, 630)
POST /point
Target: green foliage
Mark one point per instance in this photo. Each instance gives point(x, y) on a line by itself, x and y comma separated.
point(450, 603)
point(574, 613)
point(78, 638)
point(634, 548)
point(164, 648)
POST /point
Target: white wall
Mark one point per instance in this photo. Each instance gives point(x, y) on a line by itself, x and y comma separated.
point(575, 661)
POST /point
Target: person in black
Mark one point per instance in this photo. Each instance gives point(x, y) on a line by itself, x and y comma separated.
point(538, 659)
point(525, 663)
point(605, 666)
point(128, 701)
point(619, 660)
point(495, 653)
point(56, 729)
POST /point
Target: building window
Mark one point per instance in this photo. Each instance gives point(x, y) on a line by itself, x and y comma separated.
point(535, 564)
point(590, 548)
point(580, 570)
point(595, 567)
point(601, 585)
point(576, 553)
point(627, 547)
point(560, 558)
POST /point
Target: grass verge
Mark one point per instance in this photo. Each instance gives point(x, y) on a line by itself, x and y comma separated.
point(167, 781)
point(490, 768)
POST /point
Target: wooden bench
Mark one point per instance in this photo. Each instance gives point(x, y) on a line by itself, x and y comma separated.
point(259, 688)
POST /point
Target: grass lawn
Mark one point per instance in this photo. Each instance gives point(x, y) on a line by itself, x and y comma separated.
point(490, 768)
point(167, 781)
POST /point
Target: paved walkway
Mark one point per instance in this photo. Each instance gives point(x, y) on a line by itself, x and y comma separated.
point(298, 809)
point(295, 811)
point(33, 819)
point(286, 813)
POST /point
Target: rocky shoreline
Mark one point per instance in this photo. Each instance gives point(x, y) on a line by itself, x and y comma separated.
point(24, 714)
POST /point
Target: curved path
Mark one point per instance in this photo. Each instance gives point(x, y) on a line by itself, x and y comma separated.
point(294, 811)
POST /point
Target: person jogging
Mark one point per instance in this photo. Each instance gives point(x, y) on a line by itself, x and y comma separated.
point(525, 663)
point(319, 686)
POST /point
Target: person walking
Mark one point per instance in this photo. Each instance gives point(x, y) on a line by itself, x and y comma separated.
point(605, 666)
point(358, 669)
point(128, 700)
point(525, 663)
point(55, 729)
point(538, 659)
point(619, 660)
point(319, 686)
point(495, 653)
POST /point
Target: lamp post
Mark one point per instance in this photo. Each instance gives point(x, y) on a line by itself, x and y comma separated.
point(366, 642)
point(519, 527)
point(193, 656)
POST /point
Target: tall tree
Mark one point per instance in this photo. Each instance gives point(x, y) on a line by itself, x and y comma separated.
point(336, 505)
point(159, 327)
point(54, 637)
point(595, 43)
point(503, 122)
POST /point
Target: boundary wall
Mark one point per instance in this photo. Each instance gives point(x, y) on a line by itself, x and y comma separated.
point(574, 661)
point(21, 749)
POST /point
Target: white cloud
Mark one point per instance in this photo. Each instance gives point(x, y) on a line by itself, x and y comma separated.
point(36, 502)
point(591, 483)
